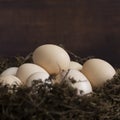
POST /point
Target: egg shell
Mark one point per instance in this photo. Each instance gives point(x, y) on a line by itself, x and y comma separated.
point(79, 81)
point(83, 87)
point(10, 80)
point(36, 76)
point(76, 75)
point(9, 71)
point(98, 71)
point(52, 58)
point(76, 79)
point(75, 65)
point(69, 75)
point(27, 69)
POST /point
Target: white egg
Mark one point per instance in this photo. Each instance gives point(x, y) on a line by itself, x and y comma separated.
point(27, 69)
point(98, 71)
point(75, 65)
point(77, 80)
point(76, 75)
point(9, 71)
point(83, 87)
point(10, 80)
point(52, 58)
point(42, 76)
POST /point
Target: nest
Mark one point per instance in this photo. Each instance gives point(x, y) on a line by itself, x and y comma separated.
point(59, 101)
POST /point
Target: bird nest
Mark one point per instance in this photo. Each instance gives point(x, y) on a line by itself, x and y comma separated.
point(59, 101)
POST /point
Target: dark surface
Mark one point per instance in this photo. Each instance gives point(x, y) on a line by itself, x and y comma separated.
point(85, 27)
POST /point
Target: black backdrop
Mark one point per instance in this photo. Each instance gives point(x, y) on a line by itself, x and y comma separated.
point(85, 27)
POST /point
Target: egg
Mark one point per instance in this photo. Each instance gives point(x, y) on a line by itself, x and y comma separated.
point(9, 71)
point(75, 65)
point(41, 76)
point(83, 87)
point(98, 71)
point(77, 80)
point(10, 80)
point(52, 58)
point(27, 69)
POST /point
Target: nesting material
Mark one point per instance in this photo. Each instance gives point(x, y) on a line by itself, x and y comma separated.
point(58, 101)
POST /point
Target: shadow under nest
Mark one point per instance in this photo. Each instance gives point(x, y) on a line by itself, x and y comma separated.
point(59, 101)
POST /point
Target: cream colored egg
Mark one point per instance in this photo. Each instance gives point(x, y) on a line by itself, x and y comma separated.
point(27, 69)
point(98, 71)
point(10, 80)
point(9, 71)
point(75, 65)
point(41, 76)
point(52, 58)
point(76, 79)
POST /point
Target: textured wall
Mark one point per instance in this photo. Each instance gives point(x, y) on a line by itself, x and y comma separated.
point(86, 27)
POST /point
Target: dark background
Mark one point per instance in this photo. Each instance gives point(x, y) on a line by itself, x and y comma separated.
point(85, 27)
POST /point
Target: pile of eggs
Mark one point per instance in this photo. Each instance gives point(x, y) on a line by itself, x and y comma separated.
point(50, 60)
